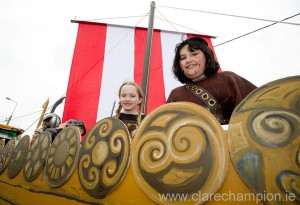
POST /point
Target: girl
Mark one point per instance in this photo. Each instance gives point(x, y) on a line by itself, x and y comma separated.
point(131, 97)
point(219, 92)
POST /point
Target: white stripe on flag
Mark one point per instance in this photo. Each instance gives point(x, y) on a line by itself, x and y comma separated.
point(169, 40)
point(118, 67)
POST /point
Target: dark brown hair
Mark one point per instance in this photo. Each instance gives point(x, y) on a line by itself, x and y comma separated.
point(194, 43)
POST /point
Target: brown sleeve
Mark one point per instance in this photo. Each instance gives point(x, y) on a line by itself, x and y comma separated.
point(241, 88)
point(171, 97)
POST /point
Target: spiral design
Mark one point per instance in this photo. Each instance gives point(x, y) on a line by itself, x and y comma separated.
point(90, 141)
point(289, 183)
point(104, 162)
point(116, 140)
point(92, 174)
point(105, 128)
point(153, 153)
point(264, 138)
point(109, 175)
point(188, 141)
point(274, 128)
point(179, 148)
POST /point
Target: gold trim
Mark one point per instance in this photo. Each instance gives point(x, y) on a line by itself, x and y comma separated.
point(198, 91)
point(205, 96)
point(212, 102)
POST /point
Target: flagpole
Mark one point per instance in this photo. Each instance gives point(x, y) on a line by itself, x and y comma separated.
point(145, 79)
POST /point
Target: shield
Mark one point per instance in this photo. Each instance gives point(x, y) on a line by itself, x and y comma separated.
point(179, 149)
point(62, 156)
point(18, 157)
point(37, 156)
point(264, 139)
point(104, 157)
point(6, 154)
point(2, 143)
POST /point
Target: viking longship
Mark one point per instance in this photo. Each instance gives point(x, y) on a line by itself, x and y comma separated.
point(180, 154)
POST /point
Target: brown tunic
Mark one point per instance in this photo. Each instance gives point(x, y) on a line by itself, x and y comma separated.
point(228, 88)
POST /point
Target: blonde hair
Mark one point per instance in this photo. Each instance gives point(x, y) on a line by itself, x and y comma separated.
point(140, 105)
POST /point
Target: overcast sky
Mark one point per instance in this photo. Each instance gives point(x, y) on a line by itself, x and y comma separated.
point(38, 39)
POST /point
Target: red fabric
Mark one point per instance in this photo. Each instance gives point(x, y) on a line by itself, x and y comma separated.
point(156, 95)
point(155, 73)
point(85, 81)
point(90, 44)
point(156, 86)
point(139, 53)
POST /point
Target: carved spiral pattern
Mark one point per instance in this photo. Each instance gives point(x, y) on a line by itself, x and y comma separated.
point(185, 143)
point(6, 154)
point(289, 183)
point(18, 157)
point(264, 138)
point(37, 156)
point(179, 148)
point(103, 131)
point(63, 156)
point(104, 157)
point(274, 128)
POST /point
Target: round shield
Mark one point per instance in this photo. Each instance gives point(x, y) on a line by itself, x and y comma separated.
point(37, 156)
point(104, 157)
point(6, 154)
point(18, 157)
point(264, 138)
point(179, 148)
point(62, 156)
point(2, 143)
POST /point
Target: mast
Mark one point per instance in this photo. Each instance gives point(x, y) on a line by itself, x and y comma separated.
point(145, 79)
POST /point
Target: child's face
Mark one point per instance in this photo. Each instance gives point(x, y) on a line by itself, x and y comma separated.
point(192, 63)
point(129, 99)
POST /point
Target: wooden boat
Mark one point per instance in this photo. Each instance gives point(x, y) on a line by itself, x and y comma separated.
point(180, 154)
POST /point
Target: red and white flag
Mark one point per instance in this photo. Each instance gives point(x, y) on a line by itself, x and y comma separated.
point(105, 56)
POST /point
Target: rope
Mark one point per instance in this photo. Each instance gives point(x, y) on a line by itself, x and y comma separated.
point(172, 24)
point(121, 17)
point(255, 30)
point(184, 27)
point(237, 16)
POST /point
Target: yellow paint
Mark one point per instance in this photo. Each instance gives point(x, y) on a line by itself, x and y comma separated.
point(19, 191)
